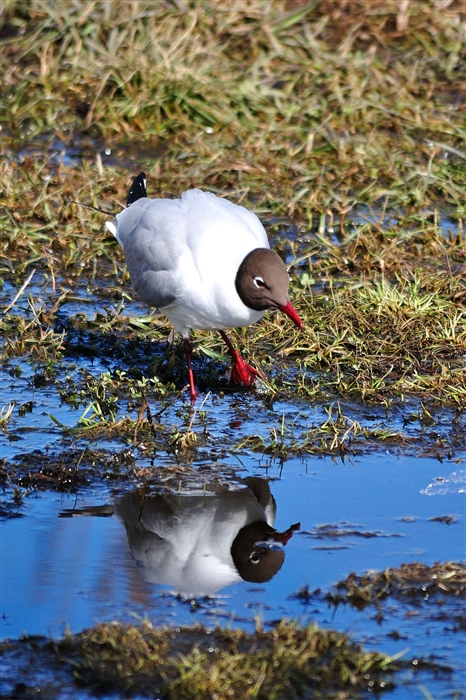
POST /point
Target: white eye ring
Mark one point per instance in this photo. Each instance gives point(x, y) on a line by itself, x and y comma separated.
point(259, 282)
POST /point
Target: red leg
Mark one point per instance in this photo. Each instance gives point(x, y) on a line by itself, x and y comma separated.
point(241, 372)
point(188, 351)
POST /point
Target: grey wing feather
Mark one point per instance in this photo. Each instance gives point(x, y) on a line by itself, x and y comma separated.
point(148, 253)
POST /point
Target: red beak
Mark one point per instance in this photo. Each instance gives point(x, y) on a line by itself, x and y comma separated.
point(291, 313)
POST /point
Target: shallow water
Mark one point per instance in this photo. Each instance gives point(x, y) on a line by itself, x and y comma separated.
point(70, 560)
point(77, 563)
point(115, 550)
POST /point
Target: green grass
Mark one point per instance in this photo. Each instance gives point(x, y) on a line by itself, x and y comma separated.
point(312, 106)
point(302, 111)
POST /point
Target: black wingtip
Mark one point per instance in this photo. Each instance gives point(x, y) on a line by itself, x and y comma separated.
point(137, 189)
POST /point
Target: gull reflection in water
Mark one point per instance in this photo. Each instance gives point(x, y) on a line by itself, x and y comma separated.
point(199, 543)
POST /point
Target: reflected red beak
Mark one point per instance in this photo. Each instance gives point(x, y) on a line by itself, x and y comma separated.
point(291, 313)
point(284, 537)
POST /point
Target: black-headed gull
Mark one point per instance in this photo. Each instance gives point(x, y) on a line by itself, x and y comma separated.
point(205, 263)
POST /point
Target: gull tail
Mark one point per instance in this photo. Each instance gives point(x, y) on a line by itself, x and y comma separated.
point(137, 189)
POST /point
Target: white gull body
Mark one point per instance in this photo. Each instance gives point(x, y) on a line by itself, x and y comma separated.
point(183, 256)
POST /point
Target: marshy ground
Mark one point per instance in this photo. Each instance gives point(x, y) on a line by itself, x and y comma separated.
point(342, 125)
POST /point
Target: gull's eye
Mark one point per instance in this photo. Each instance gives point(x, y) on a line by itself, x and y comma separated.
point(255, 558)
point(259, 282)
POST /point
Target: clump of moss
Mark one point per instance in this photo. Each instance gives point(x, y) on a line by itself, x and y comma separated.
point(289, 661)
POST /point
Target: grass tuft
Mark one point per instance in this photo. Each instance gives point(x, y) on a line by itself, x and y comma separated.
point(288, 662)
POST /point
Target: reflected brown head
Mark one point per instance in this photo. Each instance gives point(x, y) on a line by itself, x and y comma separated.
point(254, 560)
